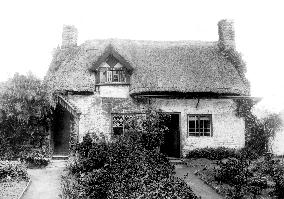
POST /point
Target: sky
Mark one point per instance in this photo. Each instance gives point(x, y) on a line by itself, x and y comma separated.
point(31, 29)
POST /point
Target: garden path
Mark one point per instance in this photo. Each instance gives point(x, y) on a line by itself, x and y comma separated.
point(45, 182)
point(197, 185)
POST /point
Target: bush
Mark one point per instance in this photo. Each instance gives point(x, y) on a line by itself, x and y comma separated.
point(123, 168)
point(25, 115)
point(35, 158)
point(12, 170)
point(233, 171)
point(212, 153)
point(71, 189)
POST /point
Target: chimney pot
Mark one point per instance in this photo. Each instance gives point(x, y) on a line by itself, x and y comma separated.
point(69, 36)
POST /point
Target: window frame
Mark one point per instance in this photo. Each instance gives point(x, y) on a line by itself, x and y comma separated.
point(198, 118)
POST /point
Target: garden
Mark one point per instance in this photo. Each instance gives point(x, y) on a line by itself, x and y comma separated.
point(128, 166)
point(131, 165)
point(250, 172)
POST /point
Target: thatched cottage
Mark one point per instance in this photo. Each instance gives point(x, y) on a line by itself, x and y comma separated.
point(100, 83)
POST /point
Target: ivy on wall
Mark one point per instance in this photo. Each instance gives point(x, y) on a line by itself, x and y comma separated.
point(258, 132)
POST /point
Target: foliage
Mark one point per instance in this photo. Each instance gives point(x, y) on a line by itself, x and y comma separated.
point(151, 126)
point(233, 171)
point(12, 170)
point(71, 188)
point(212, 153)
point(259, 132)
point(35, 158)
point(129, 166)
point(24, 115)
point(275, 170)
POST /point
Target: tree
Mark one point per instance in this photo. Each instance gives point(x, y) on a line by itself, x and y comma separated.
point(25, 114)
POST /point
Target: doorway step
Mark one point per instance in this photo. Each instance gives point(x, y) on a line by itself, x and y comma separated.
point(59, 157)
point(176, 161)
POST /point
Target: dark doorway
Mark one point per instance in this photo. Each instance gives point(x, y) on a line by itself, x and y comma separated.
point(61, 131)
point(171, 146)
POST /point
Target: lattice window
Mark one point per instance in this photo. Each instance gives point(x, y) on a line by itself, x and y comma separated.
point(120, 121)
point(199, 125)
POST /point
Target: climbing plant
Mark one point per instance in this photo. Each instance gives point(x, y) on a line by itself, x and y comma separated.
point(258, 132)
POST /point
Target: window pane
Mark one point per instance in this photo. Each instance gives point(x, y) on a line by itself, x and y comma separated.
point(117, 121)
point(117, 130)
point(207, 124)
point(191, 124)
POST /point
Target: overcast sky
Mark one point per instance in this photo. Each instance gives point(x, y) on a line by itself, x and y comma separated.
point(30, 29)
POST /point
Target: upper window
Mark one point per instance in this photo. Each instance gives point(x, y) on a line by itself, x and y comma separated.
point(199, 125)
point(111, 71)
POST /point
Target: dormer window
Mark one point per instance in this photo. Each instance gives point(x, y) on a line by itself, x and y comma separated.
point(111, 71)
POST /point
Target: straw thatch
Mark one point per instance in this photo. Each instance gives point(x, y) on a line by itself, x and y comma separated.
point(157, 66)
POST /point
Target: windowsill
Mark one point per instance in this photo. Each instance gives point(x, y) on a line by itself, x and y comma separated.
point(112, 84)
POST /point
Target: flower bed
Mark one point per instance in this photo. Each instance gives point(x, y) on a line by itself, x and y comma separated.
point(12, 189)
point(13, 179)
point(260, 178)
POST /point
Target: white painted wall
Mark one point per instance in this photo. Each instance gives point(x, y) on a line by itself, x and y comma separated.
point(228, 129)
point(116, 91)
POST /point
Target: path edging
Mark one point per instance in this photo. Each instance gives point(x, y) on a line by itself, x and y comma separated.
point(26, 188)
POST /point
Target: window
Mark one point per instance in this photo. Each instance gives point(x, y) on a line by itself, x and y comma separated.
point(112, 71)
point(120, 121)
point(199, 125)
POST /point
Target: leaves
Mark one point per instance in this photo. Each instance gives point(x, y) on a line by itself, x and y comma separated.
point(25, 113)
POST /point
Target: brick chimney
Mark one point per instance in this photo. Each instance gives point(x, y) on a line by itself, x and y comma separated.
point(69, 36)
point(226, 34)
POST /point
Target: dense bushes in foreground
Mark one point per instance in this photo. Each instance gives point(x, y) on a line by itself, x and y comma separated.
point(12, 170)
point(122, 168)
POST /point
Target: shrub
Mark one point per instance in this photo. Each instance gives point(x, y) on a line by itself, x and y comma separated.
point(25, 114)
point(12, 170)
point(212, 153)
point(123, 168)
point(233, 171)
point(35, 158)
point(70, 188)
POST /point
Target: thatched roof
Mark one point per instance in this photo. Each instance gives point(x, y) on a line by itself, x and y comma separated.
point(158, 66)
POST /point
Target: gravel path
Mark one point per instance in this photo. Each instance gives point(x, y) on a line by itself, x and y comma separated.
point(45, 182)
point(198, 186)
